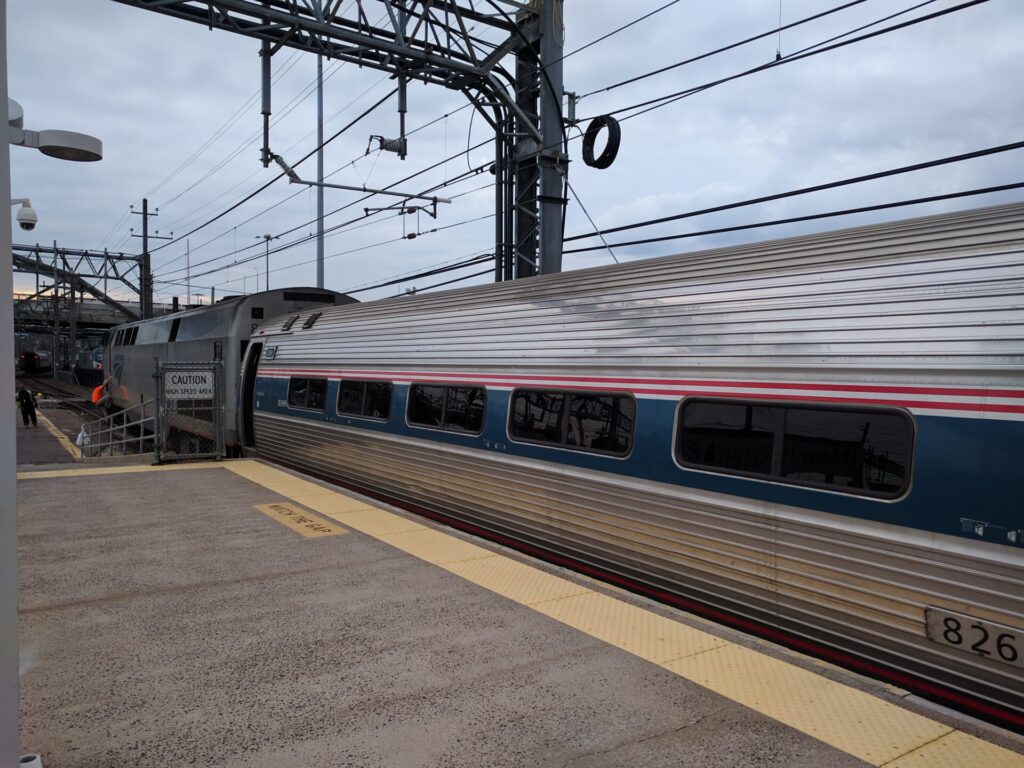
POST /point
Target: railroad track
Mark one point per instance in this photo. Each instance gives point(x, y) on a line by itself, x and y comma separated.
point(67, 396)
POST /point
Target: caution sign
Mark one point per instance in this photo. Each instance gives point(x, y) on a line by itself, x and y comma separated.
point(188, 385)
point(300, 520)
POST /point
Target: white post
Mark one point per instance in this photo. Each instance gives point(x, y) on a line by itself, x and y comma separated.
point(9, 747)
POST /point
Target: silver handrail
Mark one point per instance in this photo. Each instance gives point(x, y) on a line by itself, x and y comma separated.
point(125, 433)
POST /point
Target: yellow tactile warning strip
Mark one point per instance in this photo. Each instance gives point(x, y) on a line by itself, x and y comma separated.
point(876, 731)
point(61, 437)
point(115, 470)
point(300, 520)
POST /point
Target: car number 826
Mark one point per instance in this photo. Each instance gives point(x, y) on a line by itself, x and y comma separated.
point(978, 636)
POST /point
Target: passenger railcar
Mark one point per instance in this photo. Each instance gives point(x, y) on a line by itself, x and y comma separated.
point(818, 438)
point(33, 363)
point(216, 332)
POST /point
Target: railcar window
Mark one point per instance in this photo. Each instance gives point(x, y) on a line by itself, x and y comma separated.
point(289, 323)
point(307, 393)
point(175, 325)
point(459, 409)
point(584, 421)
point(866, 452)
point(371, 399)
point(308, 322)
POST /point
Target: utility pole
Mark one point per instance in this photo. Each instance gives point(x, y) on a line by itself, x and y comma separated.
point(319, 173)
point(145, 269)
point(55, 359)
point(188, 274)
point(267, 239)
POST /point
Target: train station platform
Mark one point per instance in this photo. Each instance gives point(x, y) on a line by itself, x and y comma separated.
point(51, 441)
point(236, 614)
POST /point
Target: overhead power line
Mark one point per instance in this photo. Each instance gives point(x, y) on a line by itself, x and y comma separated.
point(807, 190)
point(724, 48)
point(662, 101)
point(456, 280)
point(330, 231)
point(425, 273)
point(814, 216)
point(298, 192)
point(305, 239)
point(296, 164)
point(626, 26)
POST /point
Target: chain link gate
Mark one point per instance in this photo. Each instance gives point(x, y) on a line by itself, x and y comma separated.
point(190, 411)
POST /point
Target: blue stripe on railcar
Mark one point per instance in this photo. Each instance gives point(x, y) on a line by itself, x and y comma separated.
point(964, 469)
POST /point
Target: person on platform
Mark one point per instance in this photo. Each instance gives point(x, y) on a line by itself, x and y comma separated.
point(27, 402)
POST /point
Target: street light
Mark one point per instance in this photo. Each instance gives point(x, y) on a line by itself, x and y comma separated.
point(266, 280)
point(65, 145)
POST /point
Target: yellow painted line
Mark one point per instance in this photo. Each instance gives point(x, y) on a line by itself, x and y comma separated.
point(299, 520)
point(119, 469)
point(876, 731)
point(66, 444)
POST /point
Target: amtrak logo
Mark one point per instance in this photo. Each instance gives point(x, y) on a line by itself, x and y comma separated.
point(118, 366)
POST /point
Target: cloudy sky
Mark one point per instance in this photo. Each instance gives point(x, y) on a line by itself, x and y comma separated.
point(176, 106)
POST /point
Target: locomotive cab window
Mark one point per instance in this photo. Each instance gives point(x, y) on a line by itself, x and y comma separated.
point(579, 421)
point(867, 452)
point(307, 393)
point(367, 399)
point(457, 409)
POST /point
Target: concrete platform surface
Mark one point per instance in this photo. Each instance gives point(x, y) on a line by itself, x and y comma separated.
point(233, 614)
point(51, 441)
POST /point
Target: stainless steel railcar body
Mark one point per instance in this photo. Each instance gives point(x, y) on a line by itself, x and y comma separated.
point(218, 331)
point(922, 320)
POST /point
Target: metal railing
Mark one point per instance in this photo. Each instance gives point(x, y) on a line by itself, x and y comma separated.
point(130, 432)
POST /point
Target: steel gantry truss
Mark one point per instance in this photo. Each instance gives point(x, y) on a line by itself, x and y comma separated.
point(457, 44)
point(80, 270)
point(58, 310)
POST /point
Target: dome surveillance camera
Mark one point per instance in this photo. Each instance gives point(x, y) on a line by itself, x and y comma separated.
point(27, 218)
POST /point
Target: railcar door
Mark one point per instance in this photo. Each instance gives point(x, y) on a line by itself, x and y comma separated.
point(248, 393)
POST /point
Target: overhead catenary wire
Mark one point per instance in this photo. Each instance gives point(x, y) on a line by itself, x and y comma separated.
point(622, 28)
point(814, 216)
point(665, 100)
point(430, 272)
point(807, 190)
point(586, 213)
point(964, 5)
point(312, 220)
point(292, 265)
point(307, 238)
point(455, 280)
point(202, 148)
point(723, 49)
point(248, 197)
point(283, 200)
point(852, 3)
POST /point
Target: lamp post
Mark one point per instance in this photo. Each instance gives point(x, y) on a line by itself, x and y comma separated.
point(65, 145)
point(266, 280)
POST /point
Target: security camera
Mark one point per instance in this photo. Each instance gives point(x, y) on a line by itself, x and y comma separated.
point(27, 218)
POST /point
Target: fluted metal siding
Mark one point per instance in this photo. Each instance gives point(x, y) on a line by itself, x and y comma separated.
point(906, 300)
point(840, 580)
point(938, 300)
